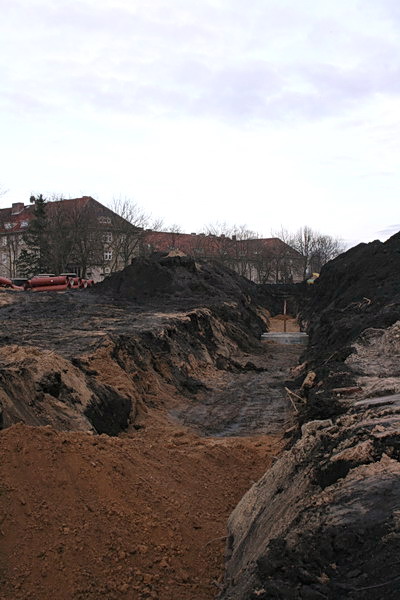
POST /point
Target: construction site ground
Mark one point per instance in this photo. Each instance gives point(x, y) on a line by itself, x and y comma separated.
point(142, 514)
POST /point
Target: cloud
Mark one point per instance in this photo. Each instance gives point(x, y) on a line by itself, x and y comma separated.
point(211, 59)
point(278, 62)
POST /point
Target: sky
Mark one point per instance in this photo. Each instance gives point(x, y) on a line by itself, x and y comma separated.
point(269, 114)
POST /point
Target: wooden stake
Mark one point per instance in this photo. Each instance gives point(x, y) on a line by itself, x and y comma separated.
point(284, 315)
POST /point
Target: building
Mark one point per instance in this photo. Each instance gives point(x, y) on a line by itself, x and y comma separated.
point(85, 237)
point(91, 240)
point(263, 260)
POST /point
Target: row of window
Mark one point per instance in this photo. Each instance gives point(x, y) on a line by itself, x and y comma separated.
point(107, 256)
point(12, 225)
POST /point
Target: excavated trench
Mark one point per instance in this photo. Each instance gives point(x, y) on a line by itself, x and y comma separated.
point(139, 422)
point(133, 433)
point(323, 522)
point(196, 408)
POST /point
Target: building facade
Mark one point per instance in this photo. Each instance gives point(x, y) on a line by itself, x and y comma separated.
point(85, 237)
point(263, 260)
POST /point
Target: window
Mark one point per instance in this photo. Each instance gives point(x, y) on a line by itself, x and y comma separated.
point(104, 219)
point(24, 224)
point(4, 240)
point(108, 255)
point(8, 225)
point(108, 237)
point(107, 270)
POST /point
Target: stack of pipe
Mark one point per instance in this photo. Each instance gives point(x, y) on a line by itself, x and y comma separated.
point(47, 284)
point(86, 283)
point(74, 282)
point(7, 283)
point(55, 284)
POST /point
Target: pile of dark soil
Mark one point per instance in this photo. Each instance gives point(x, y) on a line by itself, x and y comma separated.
point(358, 290)
point(323, 522)
point(180, 280)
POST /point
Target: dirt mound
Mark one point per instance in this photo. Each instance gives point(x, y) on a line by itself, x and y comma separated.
point(179, 279)
point(358, 290)
point(316, 526)
point(138, 517)
point(41, 388)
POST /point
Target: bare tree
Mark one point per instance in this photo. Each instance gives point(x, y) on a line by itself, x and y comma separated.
point(10, 248)
point(315, 248)
point(274, 261)
point(234, 245)
point(87, 243)
point(245, 248)
point(173, 232)
point(326, 248)
point(219, 242)
point(63, 235)
point(124, 237)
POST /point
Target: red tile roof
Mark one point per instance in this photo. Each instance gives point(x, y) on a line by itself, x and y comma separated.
point(18, 222)
point(210, 245)
point(11, 223)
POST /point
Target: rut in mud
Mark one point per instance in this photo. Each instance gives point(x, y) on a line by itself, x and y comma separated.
point(252, 402)
point(141, 514)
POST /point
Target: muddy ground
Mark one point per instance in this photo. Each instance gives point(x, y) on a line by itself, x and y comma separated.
point(196, 409)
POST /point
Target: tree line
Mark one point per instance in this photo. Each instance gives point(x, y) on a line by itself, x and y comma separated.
point(282, 258)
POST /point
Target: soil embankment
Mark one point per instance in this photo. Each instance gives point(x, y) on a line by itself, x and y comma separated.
point(119, 468)
point(323, 522)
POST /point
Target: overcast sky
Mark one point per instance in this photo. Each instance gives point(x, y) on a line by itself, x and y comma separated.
point(269, 113)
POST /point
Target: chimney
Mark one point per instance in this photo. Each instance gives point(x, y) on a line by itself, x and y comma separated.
point(17, 207)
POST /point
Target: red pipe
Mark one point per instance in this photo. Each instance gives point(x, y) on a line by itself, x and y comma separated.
point(50, 288)
point(5, 282)
point(74, 282)
point(47, 281)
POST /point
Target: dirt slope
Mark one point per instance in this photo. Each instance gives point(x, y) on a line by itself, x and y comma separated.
point(137, 517)
point(323, 523)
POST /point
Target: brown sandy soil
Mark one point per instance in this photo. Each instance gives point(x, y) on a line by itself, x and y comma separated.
point(277, 324)
point(141, 516)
